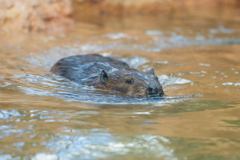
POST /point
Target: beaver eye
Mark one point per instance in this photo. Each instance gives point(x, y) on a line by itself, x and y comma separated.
point(129, 81)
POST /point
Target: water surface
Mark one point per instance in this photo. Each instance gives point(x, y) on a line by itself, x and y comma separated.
point(43, 116)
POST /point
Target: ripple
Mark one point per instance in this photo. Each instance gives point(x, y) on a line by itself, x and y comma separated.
point(169, 80)
point(56, 86)
point(105, 145)
point(115, 35)
point(135, 61)
point(154, 32)
point(231, 83)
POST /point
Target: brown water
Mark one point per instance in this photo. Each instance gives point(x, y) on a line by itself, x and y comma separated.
point(43, 116)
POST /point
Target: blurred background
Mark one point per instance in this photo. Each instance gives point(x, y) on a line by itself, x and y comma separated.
point(57, 15)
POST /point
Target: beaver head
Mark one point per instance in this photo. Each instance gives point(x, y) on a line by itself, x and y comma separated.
point(132, 82)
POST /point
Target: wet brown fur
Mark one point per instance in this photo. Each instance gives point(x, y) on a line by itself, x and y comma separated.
point(119, 84)
point(117, 80)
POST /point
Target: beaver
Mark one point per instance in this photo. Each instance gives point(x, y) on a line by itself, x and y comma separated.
point(109, 74)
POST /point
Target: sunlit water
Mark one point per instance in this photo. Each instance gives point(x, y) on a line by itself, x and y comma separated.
point(44, 116)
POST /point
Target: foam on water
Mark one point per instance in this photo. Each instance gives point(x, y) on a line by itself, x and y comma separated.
point(135, 61)
point(116, 35)
point(169, 80)
point(231, 83)
point(153, 32)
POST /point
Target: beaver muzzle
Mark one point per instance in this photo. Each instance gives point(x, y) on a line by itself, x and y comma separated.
point(154, 90)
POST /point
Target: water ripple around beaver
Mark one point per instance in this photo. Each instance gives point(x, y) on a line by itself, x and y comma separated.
point(59, 87)
point(50, 85)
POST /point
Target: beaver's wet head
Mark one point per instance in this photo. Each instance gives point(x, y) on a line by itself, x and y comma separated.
point(132, 83)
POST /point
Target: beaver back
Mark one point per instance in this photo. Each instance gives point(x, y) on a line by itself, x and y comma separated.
point(80, 67)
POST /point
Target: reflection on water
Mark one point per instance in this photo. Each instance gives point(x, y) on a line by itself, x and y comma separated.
point(88, 134)
point(102, 145)
point(43, 116)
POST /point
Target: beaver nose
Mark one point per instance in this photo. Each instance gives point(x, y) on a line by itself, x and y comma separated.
point(154, 90)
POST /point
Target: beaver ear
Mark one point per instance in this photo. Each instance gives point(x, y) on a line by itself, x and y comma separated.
point(151, 71)
point(104, 76)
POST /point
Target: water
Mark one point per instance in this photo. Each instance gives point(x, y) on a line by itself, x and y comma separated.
point(43, 116)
